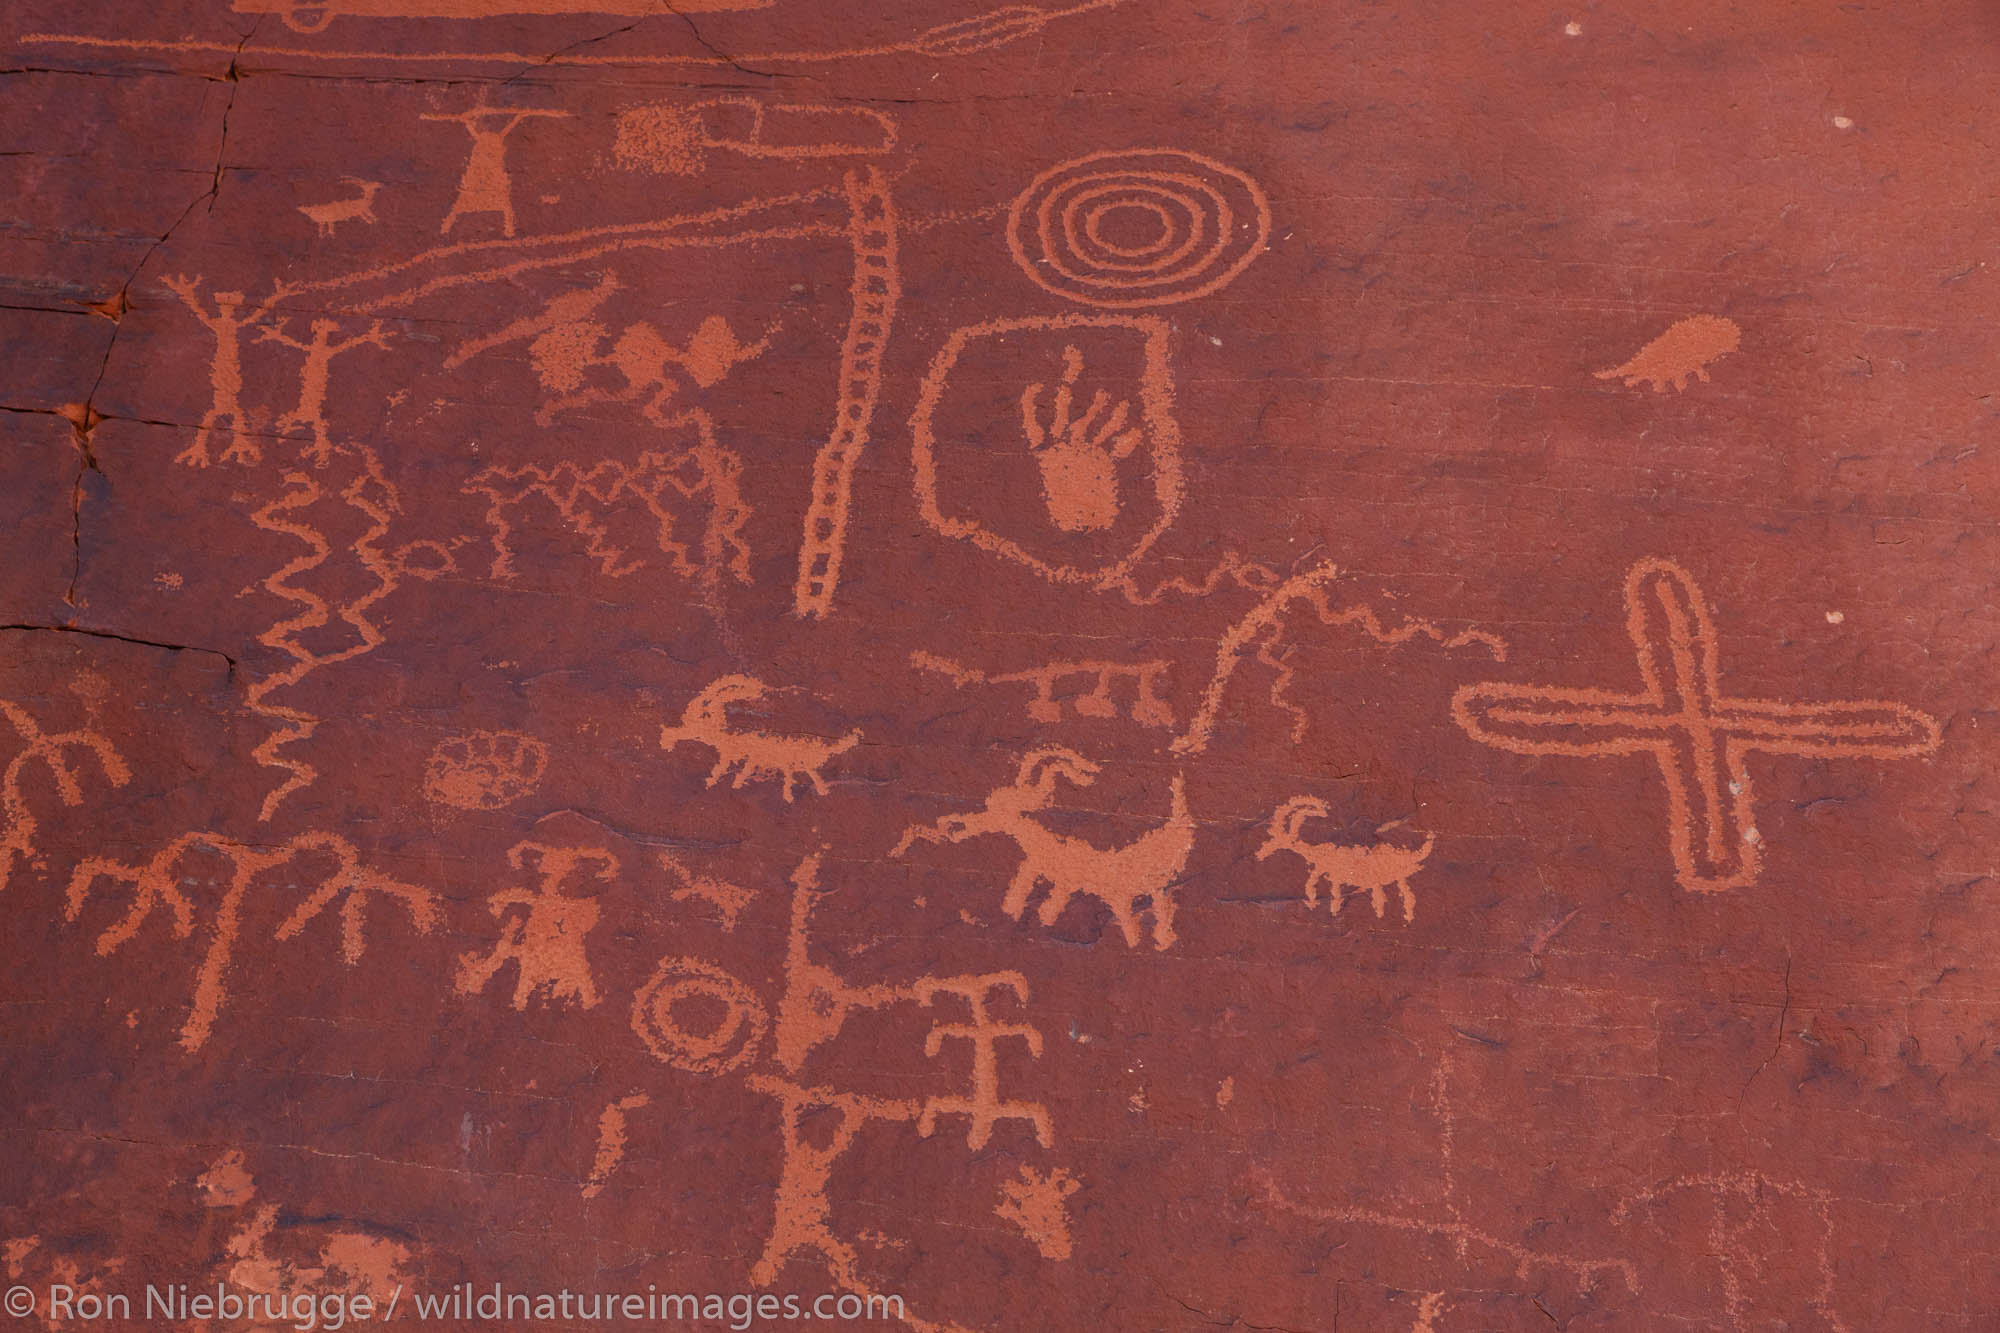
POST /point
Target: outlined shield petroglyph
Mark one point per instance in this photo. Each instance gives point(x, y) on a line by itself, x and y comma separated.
point(1051, 442)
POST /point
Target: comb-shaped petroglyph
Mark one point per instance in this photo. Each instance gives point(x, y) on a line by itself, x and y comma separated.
point(1338, 867)
point(18, 826)
point(749, 753)
point(1148, 706)
point(1134, 878)
point(157, 883)
point(545, 941)
point(1688, 348)
point(1699, 737)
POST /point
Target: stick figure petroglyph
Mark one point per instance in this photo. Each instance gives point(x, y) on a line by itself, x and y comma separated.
point(486, 186)
point(225, 323)
point(319, 350)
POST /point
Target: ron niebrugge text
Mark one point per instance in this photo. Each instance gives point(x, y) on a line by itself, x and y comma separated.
point(308, 1311)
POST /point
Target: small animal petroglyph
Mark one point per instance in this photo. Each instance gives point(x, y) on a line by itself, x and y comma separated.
point(1036, 1202)
point(361, 208)
point(1122, 878)
point(1340, 867)
point(752, 754)
point(1688, 347)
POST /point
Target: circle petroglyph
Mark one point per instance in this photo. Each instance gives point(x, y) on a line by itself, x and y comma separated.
point(676, 1014)
point(1135, 228)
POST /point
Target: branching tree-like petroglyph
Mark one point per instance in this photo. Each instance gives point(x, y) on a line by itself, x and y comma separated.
point(157, 885)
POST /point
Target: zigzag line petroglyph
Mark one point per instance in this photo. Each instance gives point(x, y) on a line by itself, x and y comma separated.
point(371, 494)
point(1265, 622)
point(583, 495)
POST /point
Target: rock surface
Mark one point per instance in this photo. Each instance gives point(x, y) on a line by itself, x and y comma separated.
point(1118, 665)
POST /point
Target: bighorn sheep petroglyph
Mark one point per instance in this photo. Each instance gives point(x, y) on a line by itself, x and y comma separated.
point(1340, 867)
point(1141, 872)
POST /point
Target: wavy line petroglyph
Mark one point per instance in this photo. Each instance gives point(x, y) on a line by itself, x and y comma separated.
point(369, 493)
point(1264, 623)
point(1699, 737)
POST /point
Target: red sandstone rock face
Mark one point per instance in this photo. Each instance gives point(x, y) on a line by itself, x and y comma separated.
point(1105, 666)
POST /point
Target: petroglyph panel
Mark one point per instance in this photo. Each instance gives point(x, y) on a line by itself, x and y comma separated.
point(1063, 666)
